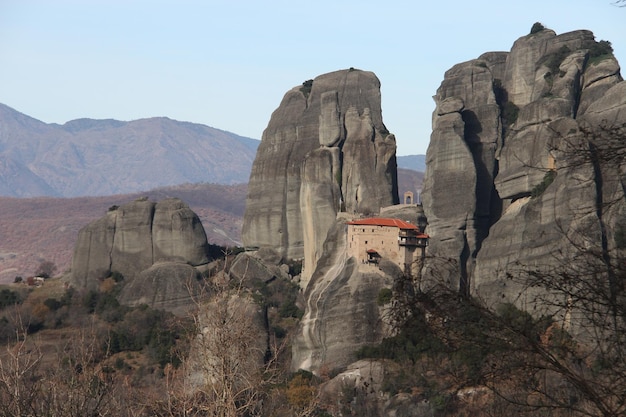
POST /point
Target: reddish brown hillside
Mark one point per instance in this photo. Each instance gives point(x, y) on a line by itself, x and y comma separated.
point(37, 229)
point(409, 180)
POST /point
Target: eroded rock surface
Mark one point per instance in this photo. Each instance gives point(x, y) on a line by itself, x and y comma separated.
point(167, 286)
point(506, 184)
point(341, 313)
point(325, 150)
point(134, 237)
point(325, 156)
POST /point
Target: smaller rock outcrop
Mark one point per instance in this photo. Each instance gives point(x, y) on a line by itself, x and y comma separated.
point(256, 268)
point(154, 246)
point(165, 286)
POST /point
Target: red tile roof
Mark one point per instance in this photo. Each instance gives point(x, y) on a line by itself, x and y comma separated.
point(381, 221)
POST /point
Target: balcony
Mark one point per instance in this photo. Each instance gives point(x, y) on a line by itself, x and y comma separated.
point(410, 239)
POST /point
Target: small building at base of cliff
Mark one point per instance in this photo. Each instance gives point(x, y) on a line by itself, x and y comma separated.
point(377, 237)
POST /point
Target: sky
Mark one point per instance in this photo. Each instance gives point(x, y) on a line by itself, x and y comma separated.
point(228, 63)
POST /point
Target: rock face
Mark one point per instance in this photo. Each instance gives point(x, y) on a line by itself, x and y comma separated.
point(141, 240)
point(503, 185)
point(341, 313)
point(250, 270)
point(165, 286)
point(231, 345)
point(325, 150)
point(325, 156)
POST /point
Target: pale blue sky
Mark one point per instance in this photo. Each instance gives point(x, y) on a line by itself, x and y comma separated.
point(228, 63)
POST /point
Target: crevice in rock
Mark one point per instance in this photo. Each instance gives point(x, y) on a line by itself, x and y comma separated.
point(579, 90)
point(605, 254)
point(152, 211)
point(483, 191)
point(391, 169)
point(496, 205)
point(112, 244)
point(613, 74)
point(339, 174)
point(284, 224)
point(464, 284)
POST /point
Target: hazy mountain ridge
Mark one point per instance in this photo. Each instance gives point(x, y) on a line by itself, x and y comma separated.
point(106, 157)
point(412, 162)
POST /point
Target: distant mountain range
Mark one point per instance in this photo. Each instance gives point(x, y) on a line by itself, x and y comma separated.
point(412, 162)
point(88, 157)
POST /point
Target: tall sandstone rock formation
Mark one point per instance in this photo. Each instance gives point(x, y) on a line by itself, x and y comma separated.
point(506, 184)
point(325, 150)
point(325, 157)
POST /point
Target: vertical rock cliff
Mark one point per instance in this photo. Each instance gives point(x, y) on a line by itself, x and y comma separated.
point(506, 182)
point(325, 156)
point(341, 314)
point(458, 191)
point(325, 150)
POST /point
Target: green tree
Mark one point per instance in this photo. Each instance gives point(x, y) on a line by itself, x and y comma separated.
point(9, 298)
point(537, 27)
point(46, 269)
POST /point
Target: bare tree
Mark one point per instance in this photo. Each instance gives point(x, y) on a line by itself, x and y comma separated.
point(231, 346)
point(233, 362)
point(572, 360)
point(72, 384)
point(18, 366)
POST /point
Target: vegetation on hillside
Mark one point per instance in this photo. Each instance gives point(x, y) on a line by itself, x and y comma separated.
point(599, 51)
point(67, 352)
